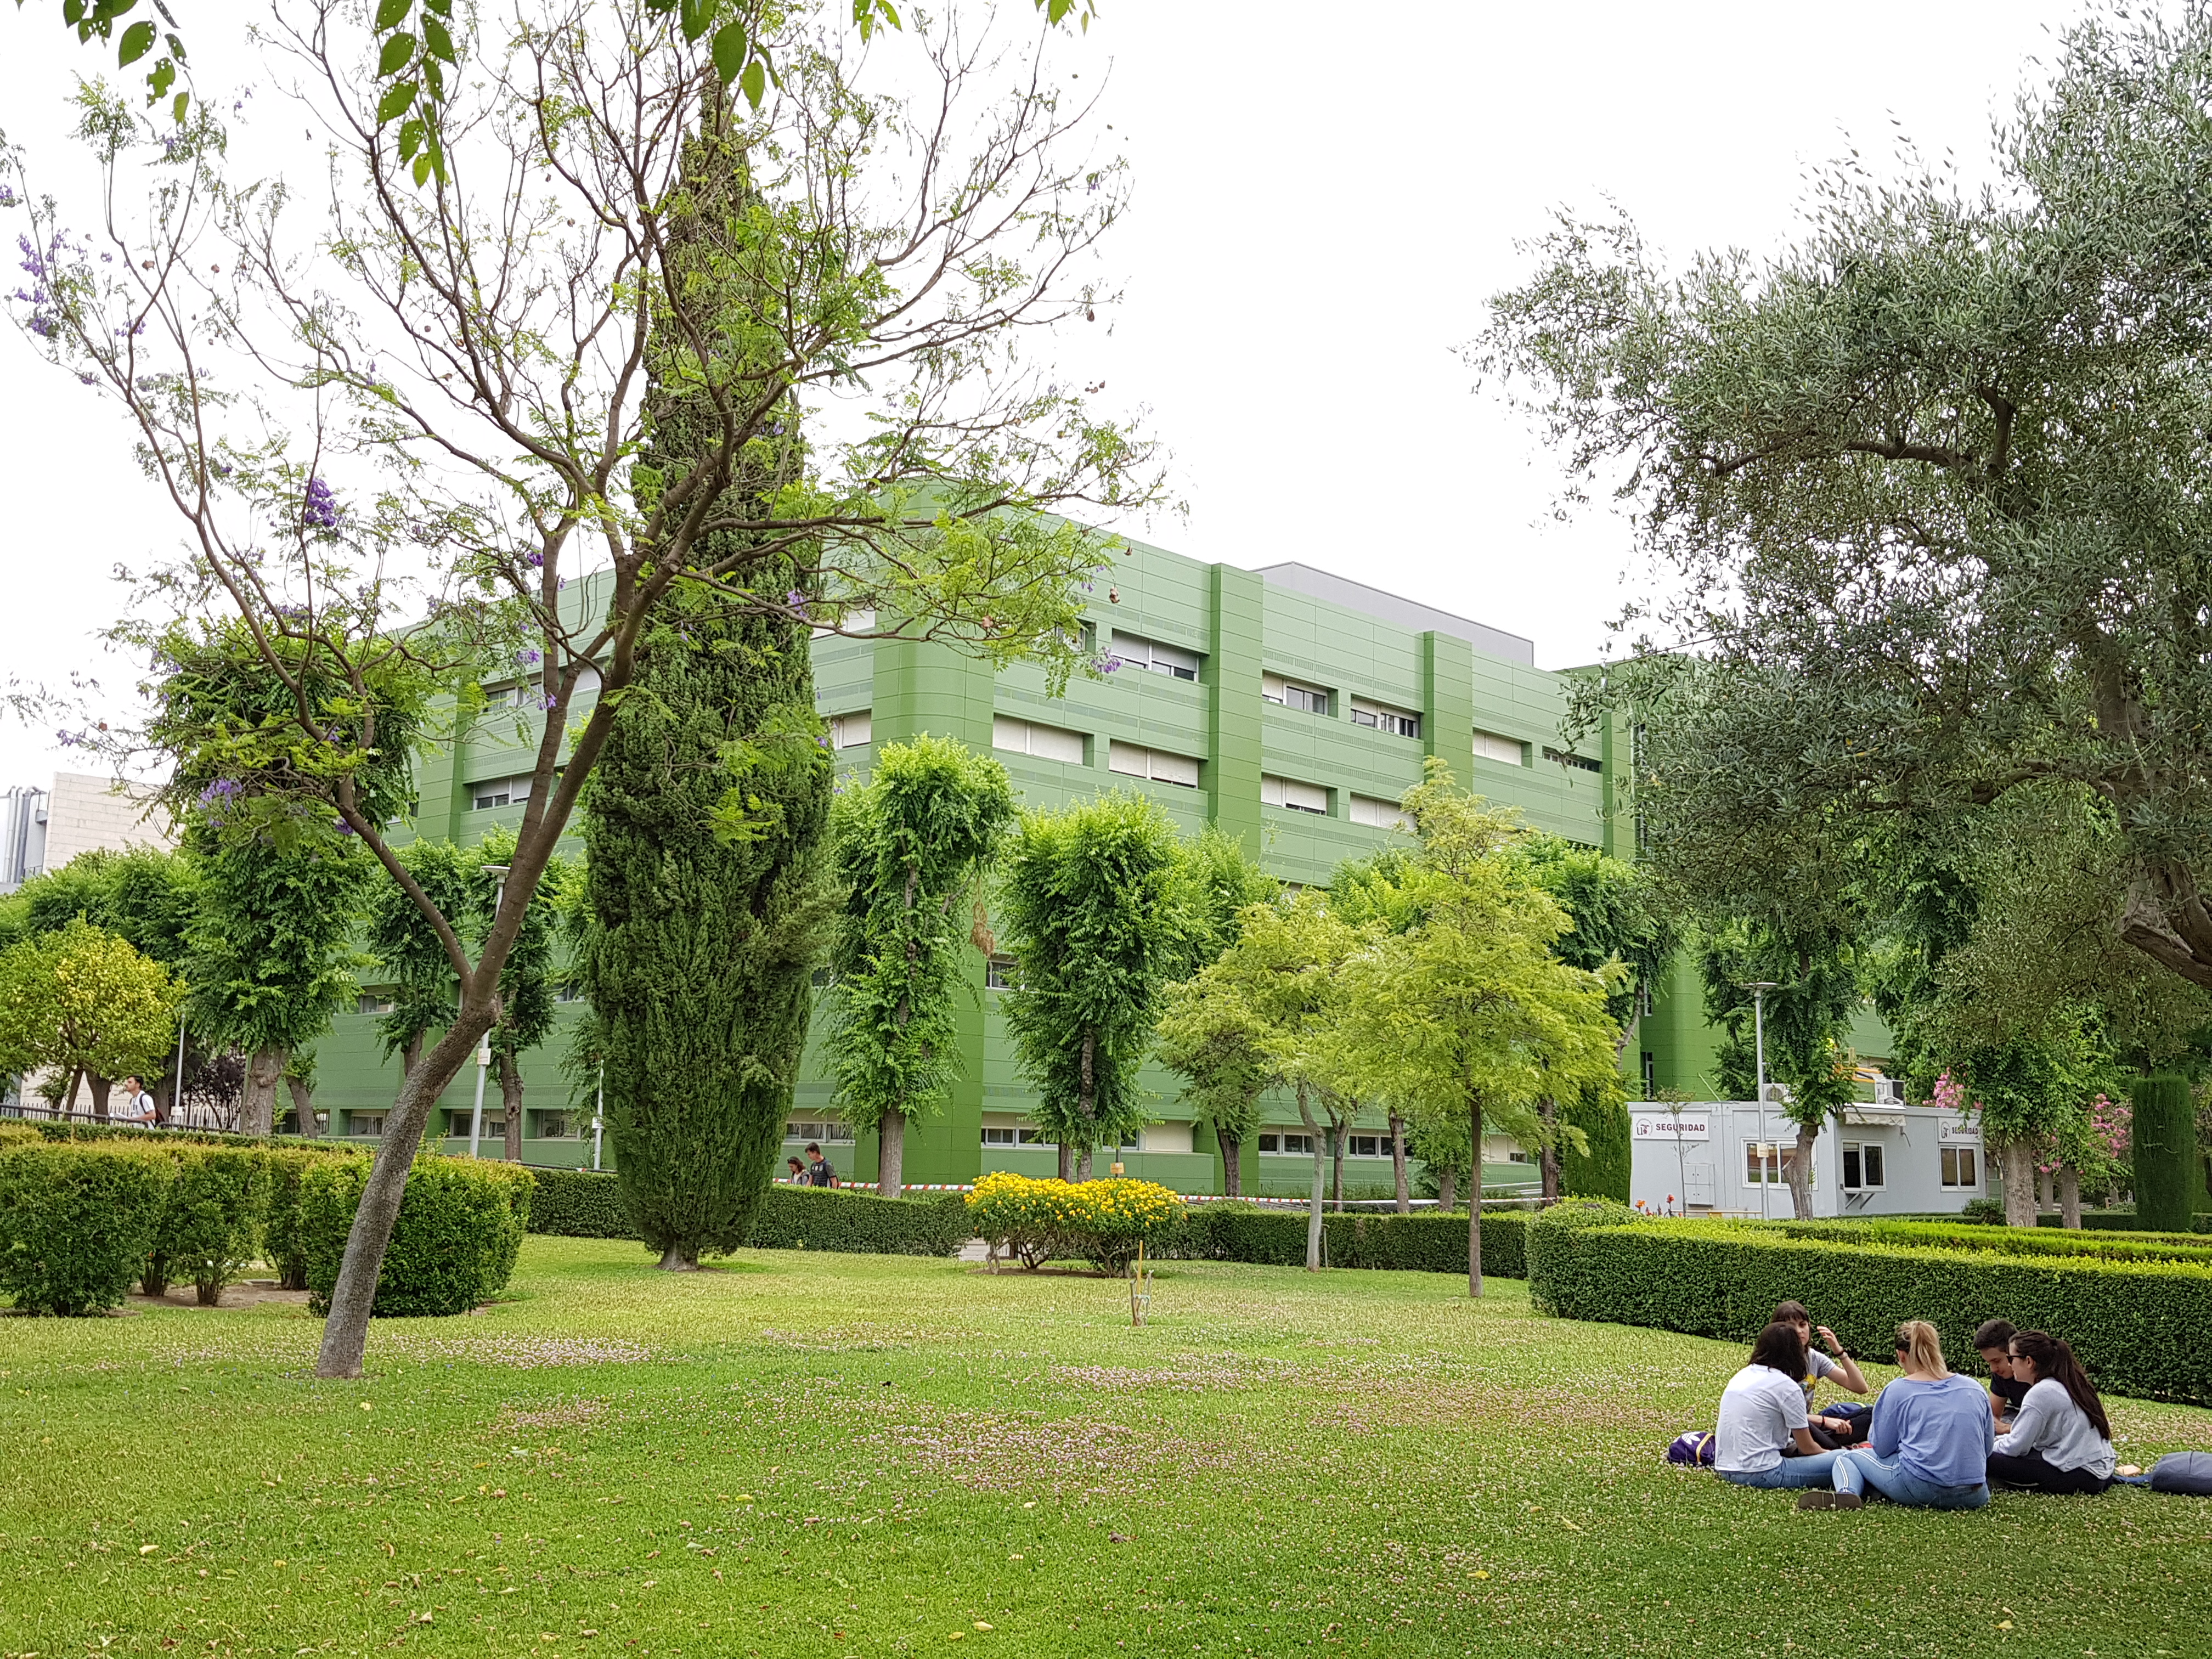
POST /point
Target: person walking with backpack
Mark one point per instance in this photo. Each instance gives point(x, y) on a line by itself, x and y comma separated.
point(2061, 1440)
point(1929, 1440)
point(818, 1171)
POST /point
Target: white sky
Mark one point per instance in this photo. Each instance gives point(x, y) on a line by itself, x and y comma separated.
point(1324, 198)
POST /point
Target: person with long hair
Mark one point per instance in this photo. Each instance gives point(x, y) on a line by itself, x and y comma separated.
point(1762, 1439)
point(2060, 1440)
point(1929, 1444)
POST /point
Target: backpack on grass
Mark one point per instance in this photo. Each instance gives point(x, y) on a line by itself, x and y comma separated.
point(1692, 1449)
point(2188, 1473)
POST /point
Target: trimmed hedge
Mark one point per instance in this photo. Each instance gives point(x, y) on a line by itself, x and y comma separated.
point(864, 1223)
point(77, 1221)
point(1426, 1242)
point(284, 1241)
point(2162, 1157)
point(212, 1224)
point(1606, 1170)
point(579, 1204)
point(2127, 1221)
point(2138, 1326)
point(454, 1245)
point(2002, 1241)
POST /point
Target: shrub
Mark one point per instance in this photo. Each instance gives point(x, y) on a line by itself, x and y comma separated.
point(454, 1245)
point(283, 1242)
point(1984, 1213)
point(1102, 1222)
point(1605, 1171)
point(2127, 1221)
point(843, 1218)
point(1427, 1242)
point(2169, 1179)
point(2005, 1241)
point(579, 1204)
point(212, 1224)
point(2136, 1325)
point(77, 1221)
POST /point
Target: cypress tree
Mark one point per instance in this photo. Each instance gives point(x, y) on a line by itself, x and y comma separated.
point(705, 817)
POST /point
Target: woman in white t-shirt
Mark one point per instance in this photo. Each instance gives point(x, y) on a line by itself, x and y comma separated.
point(1762, 1419)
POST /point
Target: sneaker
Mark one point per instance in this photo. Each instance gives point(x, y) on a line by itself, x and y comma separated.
point(1846, 1500)
point(1817, 1500)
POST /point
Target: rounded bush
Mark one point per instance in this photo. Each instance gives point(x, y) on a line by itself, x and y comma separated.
point(1102, 1221)
point(212, 1224)
point(454, 1245)
point(76, 1221)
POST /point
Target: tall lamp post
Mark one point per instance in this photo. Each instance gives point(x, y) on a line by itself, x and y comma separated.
point(1758, 988)
point(498, 872)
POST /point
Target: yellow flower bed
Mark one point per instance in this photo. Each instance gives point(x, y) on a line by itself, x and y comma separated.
point(1102, 1222)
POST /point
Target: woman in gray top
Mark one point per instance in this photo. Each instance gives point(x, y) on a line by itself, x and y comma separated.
point(2061, 1440)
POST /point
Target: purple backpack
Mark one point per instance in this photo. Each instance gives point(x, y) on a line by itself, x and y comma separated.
point(1692, 1449)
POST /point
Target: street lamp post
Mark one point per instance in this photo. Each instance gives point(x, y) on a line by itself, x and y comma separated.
point(498, 872)
point(1758, 988)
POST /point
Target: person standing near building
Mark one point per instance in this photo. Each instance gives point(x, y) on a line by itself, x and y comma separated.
point(818, 1171)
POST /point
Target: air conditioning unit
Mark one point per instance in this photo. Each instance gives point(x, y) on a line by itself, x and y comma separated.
point(1778, 1094)
point(1888, 1091)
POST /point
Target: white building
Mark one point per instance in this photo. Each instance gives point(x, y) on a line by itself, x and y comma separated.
point(42, 829)
point(1728, 1157)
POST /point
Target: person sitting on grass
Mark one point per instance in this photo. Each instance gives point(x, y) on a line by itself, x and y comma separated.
point(1929, 1441)
point(1763, 1418)
point(1832, 1429)
point(2061, 1440)
point(1993, 1341)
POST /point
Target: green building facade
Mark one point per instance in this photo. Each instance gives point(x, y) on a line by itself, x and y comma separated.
point(1291, 707)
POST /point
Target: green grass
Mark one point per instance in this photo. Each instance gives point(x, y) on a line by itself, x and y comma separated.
point(823, 1456)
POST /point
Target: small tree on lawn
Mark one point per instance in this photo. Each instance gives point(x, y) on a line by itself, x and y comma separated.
point(83, 1003)
point(1090, 900)
point(409, 957)
point(912, 845)
point(1211, 1036)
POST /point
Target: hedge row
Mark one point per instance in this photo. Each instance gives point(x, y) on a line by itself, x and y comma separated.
point(588, 1204)
point(2138, 1326)
point(453, 1247)
point(1425, 1243)
point(2002, 1241)
point(1106, 1223)
point(2127, 1221)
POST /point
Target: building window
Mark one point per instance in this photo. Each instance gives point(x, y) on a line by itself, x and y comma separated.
point(552, 1126)
point(1297, 797)
point(374, 1002)
point(1035, 1138)
point(1580, 762)
point(999, 974)
point(1172, 659)
point(996, 1136)
point(1382, 814)
point(1650, 1074)
point(1762, 1163)
point(1863, 1170)
point(1961, 1167)
point(1157, 764)
point(499, 792)
point(1371, 1146)
point(1507, 752)
point(849, 731)
point(824, 1133)
point(1518, 1156)
point(1302, 1145)
point(501, 696)
point(365, 1123)
point(1308, 699)
point(1396, 721)
point(1051, 743)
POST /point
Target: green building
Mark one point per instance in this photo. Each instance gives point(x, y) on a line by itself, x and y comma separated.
point(1291, 707)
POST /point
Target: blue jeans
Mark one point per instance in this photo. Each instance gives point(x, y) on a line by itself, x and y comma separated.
point(1789, 1472)
point(1858, 1471)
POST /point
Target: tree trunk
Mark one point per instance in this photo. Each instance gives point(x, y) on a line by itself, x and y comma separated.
point(410, 1056)
point(1066, 1161)
point(154, 1278)
point(1801, 1173)
point(1336, 1158)
point(1447, 1190)
point(256, 1103)
point(2016, 1158)
point(2070, 1197)
point(345, 1333)
point(303, 1104)
point(209, 1291)
point(1547, 1156)
point(1087, 1104)
point(510, 1095)
point(1232, 1173)
point(1474, 1201)
point(678, 1259)
point(100, 1088)
point(2045, 1196)
point(891, 1153)
point(1083, 1164)
point(1398, 1164)
point(1313, 1205)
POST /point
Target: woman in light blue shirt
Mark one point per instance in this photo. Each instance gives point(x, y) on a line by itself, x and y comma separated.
point(1929, 1441)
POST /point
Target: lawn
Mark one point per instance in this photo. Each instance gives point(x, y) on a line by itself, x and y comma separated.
point(825, 1455)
